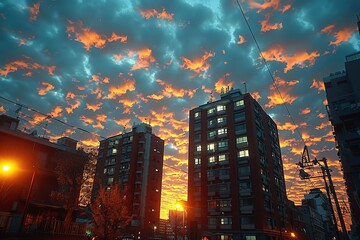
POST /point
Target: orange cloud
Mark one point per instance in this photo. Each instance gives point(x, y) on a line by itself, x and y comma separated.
point(94, 143)
point(115, 91)
point(221, 85)
point(342, 36)
point(28, 65)
point(328, 29)
point(123, 121)
point(256, 95)
point(144, 59)
point(156, 97)
point(128, 104)
point(241, 40)
point(34, 10)
point(93, 107)
point(266, 26)
point(37, 119)
point(323, 125)
point(289, 126)
point(321, 115)
point(205, 89)
point(148, 13)
point(56, 112)
point(46, 87)
point(118, 57)
point(70, 95)
point(170, 91)
point(318, 84)
point(301, 59)
point(199, 64)
point(96, 78)
point(274, 4)
point(89, 37)
point(281, 94)
point(305, 111)
point(73, 106)
point(86, 120)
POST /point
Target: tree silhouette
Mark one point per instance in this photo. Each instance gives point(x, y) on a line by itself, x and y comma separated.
point(110, 214)
point(73, 170)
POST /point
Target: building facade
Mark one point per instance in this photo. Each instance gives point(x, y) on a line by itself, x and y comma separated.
point(25, 191)
point(135, 160)
point(236, 187)
point(343, 95)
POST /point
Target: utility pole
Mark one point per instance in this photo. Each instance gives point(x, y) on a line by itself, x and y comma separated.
point(330, 190)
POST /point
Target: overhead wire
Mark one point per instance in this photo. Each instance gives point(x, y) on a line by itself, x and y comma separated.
point(269, 71)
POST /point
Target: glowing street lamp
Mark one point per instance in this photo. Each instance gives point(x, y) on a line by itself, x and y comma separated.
point(292, 235)
point(5, 168)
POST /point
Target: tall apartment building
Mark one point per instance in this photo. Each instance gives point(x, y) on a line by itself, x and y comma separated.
point(135, 160)
point(236, 187)
point(343, 95)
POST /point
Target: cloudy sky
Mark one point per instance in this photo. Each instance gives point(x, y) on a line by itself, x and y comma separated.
point(105, 65)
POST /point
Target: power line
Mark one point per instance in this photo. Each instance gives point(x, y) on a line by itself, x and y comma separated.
point(51, 117)
point(268, 70)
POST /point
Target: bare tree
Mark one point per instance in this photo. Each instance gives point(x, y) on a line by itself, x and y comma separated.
point(73, 170)
point(110, 214)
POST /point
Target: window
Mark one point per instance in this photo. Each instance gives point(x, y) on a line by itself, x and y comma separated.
point(197, 161)
point(226, 220)
point(221, 108)
point(241, 128)
point(110, 180)
point(243, 153)
point(250, 237)
point(110, 161)
point(239, 116)
point(212, 221)
point(221, 120)
point(211, 134)
point(222, 131)
point(239, 103)
point(211, 147)
point(114, 151)
point(241, 139)
point(223, 144)
point(212, 159)
point(211, 122)
point(198, 148)
point(109, 170)
point(244, 185)
point(225, 203)
point(211, 111)
point(197, 115)
point(244, 170)
point(223, 157)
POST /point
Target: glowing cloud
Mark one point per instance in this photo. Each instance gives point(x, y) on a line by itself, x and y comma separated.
point(86, 120)
point(301, 59)
point(255, 95)
point(148, 13)
point(93, 107)
point(144, 59)
point(266, 26)
point(289, 126)
point(57, 111)
point(281, 94)
point(221, 85)
point(116, 91)
point(27, 64)
point(318, 84)
point(241, 40)
point(305, 111)
point(34, 10)
point(170, 91)
point(328, 29)
point(274, 4)
point(90, 38)
point(199, 64)
point(342, 36)
point(46, 87)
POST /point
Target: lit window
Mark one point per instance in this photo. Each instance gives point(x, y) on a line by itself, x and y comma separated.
point(243, 153)
point(222, 157)
point(221, 119)
point(220, 108)
point(211, 111)
point(114, 150)
point(212, 159)
point(211, 122)
point(110, 180)
point(239, 103)
point(211, 147)
point(222, 131)
point(198, 148)
point(197, 114)
point(197, 161)
point(242, 139)
point(226, 220)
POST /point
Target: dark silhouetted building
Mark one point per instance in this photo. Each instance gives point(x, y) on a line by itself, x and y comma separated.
point(343, 95)
point(135, 160)
point(236, 187)
point(25, 190)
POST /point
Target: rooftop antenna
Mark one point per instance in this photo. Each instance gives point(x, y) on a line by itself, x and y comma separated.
point(211, 96)
point(245, 86)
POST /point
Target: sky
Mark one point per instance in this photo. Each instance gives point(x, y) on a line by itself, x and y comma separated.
point(102, 66)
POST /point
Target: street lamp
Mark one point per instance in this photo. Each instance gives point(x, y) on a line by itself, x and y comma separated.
point(155, 231)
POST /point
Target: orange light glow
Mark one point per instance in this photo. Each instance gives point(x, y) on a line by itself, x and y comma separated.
point(148, 13)
point(266, 26)
point(26, 64)
point(46, 87)
point(241, 40)
point(144, 58)
point(274, 4)
point(117, 91)
point(199, 64)
point(342, 36)
point(220, 85)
